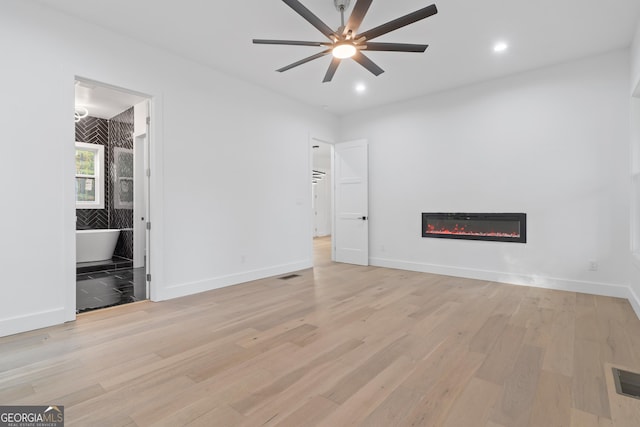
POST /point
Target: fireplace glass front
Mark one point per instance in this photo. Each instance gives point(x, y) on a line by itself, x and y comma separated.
point(499, 227)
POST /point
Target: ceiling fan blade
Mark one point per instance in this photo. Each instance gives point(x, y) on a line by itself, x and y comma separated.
point(305, 60)
point(310, 17)
point(332, 69)
point(361, 59)
point(396, 47)
point(400, 22)
point(357, 15)
point(291, 42)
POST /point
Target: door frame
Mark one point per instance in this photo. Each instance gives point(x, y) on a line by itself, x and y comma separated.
point(154, 156)
point(312, 140)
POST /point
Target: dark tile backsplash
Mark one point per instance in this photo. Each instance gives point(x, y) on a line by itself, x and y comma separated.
point(116, 132)
point(89, 219)
point(93, 130)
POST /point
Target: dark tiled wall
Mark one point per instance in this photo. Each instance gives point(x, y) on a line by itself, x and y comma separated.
point(116, 132)
point(93, 130)
point(121, 136)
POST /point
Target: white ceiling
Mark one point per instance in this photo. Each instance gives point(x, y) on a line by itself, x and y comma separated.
point(461, 37)
point(103, 102)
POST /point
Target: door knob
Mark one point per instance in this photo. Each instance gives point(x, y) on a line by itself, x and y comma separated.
point(364, 218)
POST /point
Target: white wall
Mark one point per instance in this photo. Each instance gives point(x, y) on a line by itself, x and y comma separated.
point(551, 142)
point(230, 196)
point(635, 168)
point(635, 61)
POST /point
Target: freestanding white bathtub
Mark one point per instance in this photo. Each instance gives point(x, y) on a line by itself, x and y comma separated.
point(95, 245)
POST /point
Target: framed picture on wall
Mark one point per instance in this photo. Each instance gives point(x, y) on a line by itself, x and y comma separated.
point(123, 179)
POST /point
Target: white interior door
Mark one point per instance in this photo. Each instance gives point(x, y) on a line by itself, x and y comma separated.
point(351, 202)
point(139, 202)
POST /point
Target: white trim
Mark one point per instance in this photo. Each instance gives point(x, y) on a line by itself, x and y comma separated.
point(69, 198)
point(634, 300)
point(32, 321)
point(333, 206)
point(310, 144)
point(155, 214)
point(190, 288)
point(595, 288)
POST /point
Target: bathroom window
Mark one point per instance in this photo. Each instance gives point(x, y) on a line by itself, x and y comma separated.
point(89, 176)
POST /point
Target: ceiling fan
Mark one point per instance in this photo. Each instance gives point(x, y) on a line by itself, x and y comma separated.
point(346, 42)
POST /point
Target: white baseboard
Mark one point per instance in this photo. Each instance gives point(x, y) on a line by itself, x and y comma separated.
point(595, 288)
point(190, 288)
point(634, 301)
point(56, 316)
point(31, 321)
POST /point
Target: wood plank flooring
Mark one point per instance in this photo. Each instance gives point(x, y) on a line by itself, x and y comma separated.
point(340, 345)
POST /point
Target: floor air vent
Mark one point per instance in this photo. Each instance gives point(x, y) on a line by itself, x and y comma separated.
point(627, 383)
point(290, 276)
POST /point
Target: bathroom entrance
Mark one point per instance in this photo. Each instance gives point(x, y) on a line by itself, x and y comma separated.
point(112, 196)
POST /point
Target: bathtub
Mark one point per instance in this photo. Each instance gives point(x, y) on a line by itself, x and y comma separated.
point(95, 245)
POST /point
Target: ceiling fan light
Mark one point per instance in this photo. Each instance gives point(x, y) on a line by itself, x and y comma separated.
point(344, 50)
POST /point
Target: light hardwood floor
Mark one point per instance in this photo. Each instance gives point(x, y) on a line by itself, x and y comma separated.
point(340, 345)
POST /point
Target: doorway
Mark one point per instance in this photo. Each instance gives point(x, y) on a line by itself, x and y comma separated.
point(321, 200)
point(112, 148)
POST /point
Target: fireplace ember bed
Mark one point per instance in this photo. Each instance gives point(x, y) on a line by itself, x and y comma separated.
point(496, 227)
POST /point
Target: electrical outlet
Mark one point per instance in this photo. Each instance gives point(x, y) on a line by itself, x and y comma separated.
point(593, 265)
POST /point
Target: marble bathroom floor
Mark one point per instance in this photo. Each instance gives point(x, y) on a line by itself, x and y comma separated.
point(109, 288)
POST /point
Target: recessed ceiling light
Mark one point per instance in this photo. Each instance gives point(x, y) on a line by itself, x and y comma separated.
point(360, 87)
point(500, 47)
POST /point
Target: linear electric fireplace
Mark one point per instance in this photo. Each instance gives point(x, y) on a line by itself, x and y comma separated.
point(497, 227)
